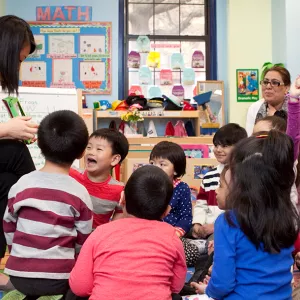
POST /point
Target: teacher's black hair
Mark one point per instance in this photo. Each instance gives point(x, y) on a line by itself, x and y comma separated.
point(15, 34)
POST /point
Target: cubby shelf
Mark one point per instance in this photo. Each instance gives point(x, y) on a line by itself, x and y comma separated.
point(152, 114)
point(192, 114)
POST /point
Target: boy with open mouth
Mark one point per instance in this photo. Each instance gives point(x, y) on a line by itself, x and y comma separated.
point(106, 149)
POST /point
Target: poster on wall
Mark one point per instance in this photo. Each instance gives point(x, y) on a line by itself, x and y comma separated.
point(70, 55)
point(247, 85)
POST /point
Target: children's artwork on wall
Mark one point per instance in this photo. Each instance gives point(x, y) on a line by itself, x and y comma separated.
point(247, 85)
point(154, 92)
point(61, 44)
point(145, 76)
point(153, 59)
point(198, 59)
point(166, 77)
point(62, 73)
point(92, 44)
point(201, 170)
point(75, 54)
point(135, 89)
point(92, 71)
point(178, 91)
point(134, 60)
point(143, 44)
point(40, 45)
point(34, 72)
point(177, 61)
point(188, 76)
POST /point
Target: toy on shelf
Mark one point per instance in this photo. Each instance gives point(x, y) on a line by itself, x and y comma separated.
point(211, 125)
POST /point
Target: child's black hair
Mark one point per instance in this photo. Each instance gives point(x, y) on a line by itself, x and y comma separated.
point(172, 152)
point(118, 141)
point(259, 191)
point(15, 33)
point(276, 122)
point(148, 192)
point(62, 137)
point(229, 135)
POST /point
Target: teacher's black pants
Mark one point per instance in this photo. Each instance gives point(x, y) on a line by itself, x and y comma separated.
point(15, 161)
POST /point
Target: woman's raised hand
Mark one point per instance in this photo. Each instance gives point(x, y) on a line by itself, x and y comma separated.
point(295, 90)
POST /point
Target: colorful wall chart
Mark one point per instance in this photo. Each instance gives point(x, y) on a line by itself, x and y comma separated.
point(70, 55)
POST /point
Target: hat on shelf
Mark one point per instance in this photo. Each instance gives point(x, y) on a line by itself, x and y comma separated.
point(104, 105)
point(173, 103)
point(156, 103)
point(187, 106)
point(119, 105)
point(137, 99)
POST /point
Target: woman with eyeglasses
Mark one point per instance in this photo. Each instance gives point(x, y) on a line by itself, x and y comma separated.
point(275, 85)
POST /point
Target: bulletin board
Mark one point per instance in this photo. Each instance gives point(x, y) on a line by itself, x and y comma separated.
point(70, 55)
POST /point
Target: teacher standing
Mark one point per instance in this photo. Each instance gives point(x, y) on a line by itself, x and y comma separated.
point(16, 43)
point(275, 85)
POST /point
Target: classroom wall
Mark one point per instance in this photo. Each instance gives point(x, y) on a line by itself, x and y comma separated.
point(249, 39)
point(26, 9)
point(222, 49)
point(248, 34)
point(2, 7)
point(279, 31)
point(292, 8)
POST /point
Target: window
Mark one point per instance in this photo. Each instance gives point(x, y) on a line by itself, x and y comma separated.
point(172, 26)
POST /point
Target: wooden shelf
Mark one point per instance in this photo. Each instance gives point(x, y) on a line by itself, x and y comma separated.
point(205, 139)
point(170, 114)
point(110, 114)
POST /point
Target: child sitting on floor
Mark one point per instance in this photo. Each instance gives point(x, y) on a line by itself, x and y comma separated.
point(203, 270)
point(170, 157)
point(252, 251)
point(49, 214)
point(206, 209)
point(137, 257)
point(106, 148)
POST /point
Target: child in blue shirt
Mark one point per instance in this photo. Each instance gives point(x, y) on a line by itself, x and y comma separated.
point(170, 157)
point(254, 238)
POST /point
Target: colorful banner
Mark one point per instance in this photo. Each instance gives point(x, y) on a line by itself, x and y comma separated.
point(64, 13)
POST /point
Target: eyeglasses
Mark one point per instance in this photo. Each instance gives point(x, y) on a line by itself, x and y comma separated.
point(273, 82)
